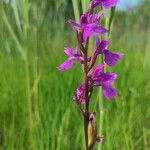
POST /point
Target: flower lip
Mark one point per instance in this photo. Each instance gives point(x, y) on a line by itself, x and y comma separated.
point(112, 57)
point(108, 91)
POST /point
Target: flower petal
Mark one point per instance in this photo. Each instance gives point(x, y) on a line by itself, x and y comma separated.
point(111, 58)
point(108, 91)
point(97, 70)
point(74, 25)
point(106, 3)
point(109, 3)
point(66, 65)
point(99, 29)
point(95, 3)
point(92, 29)
point(103, 78)
point(101, 46)
point(83, 20)
point(70, 52)
point(95, 17)
point(108, 77)
point(76, 58)
point(79, 91)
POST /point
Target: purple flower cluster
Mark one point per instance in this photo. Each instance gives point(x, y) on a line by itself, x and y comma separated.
point(94, 75)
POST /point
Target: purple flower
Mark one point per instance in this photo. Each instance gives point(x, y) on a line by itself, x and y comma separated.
point(105, 80)
point(106, 3)
point(79, 94)
point(111, 58)
point(88, 25)
point(72, 56)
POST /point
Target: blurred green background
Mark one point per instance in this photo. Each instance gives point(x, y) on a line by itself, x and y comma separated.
point(36, 107)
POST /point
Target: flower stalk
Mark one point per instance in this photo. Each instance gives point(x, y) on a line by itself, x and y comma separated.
point(93, 75)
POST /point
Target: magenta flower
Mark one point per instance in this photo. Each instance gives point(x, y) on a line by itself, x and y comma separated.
point(88, 25)
point(72, 56)
point(110, 57)
point(106, 3)
point(105, 80)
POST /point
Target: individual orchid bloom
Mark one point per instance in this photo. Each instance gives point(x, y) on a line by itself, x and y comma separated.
point(105, 80)
point(105, 3)
point(88, 26)
point(72, 56)
point(110, 57)
point(79, 94)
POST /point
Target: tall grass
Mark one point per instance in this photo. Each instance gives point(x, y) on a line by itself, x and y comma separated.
point(55, 121)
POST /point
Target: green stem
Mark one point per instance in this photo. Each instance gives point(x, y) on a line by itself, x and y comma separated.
point(76, 10)
point(107, 24)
